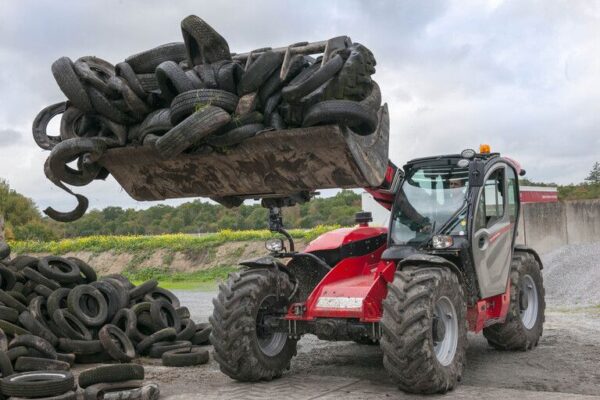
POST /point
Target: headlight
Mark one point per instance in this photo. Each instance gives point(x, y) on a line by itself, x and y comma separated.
point(468, 154)
point(442, 241)
point(274, 245)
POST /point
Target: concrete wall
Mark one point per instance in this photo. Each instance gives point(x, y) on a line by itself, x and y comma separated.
point(547, 226)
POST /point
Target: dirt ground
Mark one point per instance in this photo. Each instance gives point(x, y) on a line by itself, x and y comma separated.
point(565, 365)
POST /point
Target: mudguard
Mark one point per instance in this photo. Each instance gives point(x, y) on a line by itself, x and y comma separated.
point(527, 249)
point(264, 262)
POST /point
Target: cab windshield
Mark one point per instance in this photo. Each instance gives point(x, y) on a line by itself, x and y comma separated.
point(432, 199)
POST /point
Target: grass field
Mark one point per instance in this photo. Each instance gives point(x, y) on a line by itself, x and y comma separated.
point(175, 242)
point(198, 280)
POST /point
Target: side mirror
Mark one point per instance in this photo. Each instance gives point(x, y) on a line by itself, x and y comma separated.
point(476, 173)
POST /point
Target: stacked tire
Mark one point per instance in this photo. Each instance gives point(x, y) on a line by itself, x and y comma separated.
point(196, 96)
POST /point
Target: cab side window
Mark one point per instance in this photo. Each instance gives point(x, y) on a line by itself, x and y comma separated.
point(512, 194)
point(490, 208)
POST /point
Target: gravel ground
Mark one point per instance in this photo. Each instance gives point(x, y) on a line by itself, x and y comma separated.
point(572, 275)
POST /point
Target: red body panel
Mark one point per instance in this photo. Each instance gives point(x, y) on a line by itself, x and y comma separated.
point(356, 287)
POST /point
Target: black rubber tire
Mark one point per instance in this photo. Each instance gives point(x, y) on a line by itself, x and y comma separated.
point(512, 334)
point(160, 293)
point(40, 279)
point(39, 309)
point(134, 389)
point(159, 348)
point(57, 300)
point(106, 108)
point(17, 352)
point(126, 320)
point(37, 384)
point(237, 351)
point(149, 84)
point(97, 358)
point(164, 316)
point(59, 269)
point(69, 358)
point(40, 364)
point(111, 295)
point(3, 341)
point(142, 289)
point(40, 125)
point(135, 104)
point(8, 314)
point(228, 75)
point(191, 131)
point(342, 112)
point(75, 302)
point(185, 357)
point(6, 368)
point(70, 326)
point(95, 72)
point(183, 312)
point(34, 326)
point(202, 335)
point(116, 343)
point(42, 290)
point(34, 342)
point(235, 136)
point(156, 123)
point(125, 71)
point(10, 301)
point(203, 44)
point(186, 103)
point(407, 338)
point(160, 336)
point(146, 62)
point(8, 278)
point(259, 71)
point(80, 347)
point(294, 93)
point(87, 272)
point(187, 331)
point(172, 80)
point(70, 84)
point(111, 374)
point(20, 262)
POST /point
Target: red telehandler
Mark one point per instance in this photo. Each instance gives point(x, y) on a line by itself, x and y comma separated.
point(447, 264)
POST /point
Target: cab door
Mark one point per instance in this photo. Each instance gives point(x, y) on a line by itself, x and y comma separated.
point(493, 230)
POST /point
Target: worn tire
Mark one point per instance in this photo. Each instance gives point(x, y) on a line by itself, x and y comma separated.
point(234, 334)
point(111, 296)
point(156, 123)
point(87, 272)
point(90, 317)
point(6, 368)
point(191, 131)
point(80, 347)
point(125, 71)
point(146, 62)
point(293, 93)
point(187, 331)
point(172, 80)
point(29, 322)
point(70, 326)
point(107, 108)
point(164, 316)
point(40, 364)
point(40, 126)
point(343, 112)
point(111, 374)
point(37, 384)
point(70, 84)
point(10, 301)
point(259, 71)
point(57, 300)
point(59, 269)
point(142, 289)
point(8, 314)
point(202, 335)
point(203, 44)
point(185, 357)
point(186, 103)
point(160, 293)
point(407, 334)
point(159, 336)
point(513, 334)
point(41, 345)
point(116, 343)
point(159, 348)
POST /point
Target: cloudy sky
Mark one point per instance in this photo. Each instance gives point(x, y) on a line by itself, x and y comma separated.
point(523, 76)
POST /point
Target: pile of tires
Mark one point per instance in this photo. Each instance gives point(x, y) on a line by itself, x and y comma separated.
point(55, 312)
point(196, 96)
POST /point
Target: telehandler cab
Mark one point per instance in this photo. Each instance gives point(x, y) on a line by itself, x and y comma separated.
point(448, 263)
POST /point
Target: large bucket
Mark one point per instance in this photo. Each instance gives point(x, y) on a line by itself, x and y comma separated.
point(271, 164)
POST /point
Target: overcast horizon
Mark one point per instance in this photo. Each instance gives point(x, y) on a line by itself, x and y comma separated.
point(523, 76)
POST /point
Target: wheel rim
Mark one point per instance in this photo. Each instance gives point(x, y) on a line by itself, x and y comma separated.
point(270, 343)
point(445, 347)
point(530, 311)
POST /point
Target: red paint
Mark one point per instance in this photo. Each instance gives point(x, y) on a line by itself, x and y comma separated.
point(502, 231)
point(489, 311)
point(339, 237)
point(538, 196)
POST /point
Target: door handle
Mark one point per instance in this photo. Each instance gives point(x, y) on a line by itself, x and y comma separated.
point(482, 241)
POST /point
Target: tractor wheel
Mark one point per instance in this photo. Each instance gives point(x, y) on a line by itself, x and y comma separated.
point(244, 347)
point(424, 330)
point(525, 320)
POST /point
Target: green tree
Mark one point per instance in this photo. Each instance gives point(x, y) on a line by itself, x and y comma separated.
point(594, 176)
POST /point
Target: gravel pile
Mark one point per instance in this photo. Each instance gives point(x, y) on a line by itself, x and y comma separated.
point(572, 275)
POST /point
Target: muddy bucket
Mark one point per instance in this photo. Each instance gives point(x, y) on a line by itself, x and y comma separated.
point(273, 163)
